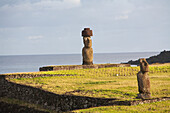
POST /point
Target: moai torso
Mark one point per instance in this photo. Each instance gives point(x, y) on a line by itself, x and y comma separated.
point(143, 80)
point(87, 51)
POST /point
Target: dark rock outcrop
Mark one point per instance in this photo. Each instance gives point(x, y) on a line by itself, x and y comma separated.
point(163, 57)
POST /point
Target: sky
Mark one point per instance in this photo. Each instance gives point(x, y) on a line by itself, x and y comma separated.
point(54, 26)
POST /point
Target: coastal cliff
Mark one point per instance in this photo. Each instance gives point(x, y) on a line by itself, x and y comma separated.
point(163, 57)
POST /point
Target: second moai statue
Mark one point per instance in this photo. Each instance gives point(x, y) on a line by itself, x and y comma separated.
point(143, 80)
point(87, 51)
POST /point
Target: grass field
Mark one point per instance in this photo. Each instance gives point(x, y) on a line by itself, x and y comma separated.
point(115, 82)
point(158, 107)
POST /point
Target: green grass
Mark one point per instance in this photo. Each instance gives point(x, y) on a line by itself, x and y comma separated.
point(104, 83)
point(113, 71)
point(158, 107)
point(99, 83)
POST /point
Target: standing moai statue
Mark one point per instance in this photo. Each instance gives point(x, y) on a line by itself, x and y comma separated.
point(143, 80)
point(87, 51)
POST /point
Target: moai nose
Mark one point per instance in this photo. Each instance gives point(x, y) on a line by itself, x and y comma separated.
point(88, 40)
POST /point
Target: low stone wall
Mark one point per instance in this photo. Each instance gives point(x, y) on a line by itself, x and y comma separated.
point(72, 67)
point(14, 108)
point(22, 75)
point(47, 99)
point(59, 103)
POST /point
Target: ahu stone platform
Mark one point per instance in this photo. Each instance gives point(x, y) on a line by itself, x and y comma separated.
point(72, 67)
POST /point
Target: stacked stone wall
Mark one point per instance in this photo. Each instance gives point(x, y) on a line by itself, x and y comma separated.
point(72, 67)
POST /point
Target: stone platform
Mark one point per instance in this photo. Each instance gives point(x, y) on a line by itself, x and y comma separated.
point(72, 67)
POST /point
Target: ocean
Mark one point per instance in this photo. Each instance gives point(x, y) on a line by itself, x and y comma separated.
point(31, 63)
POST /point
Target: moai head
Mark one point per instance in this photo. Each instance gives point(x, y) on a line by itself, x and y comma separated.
point(87, 32)
point(144, 66)
point(87, 42)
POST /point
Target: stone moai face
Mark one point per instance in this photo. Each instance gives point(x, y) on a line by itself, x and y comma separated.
point(144, 66)
point(87, 42)
point(87, 51)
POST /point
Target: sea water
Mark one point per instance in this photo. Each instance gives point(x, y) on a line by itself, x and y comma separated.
point(31, 63)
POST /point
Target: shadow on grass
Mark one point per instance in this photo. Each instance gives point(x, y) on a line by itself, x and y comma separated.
point(14, 108)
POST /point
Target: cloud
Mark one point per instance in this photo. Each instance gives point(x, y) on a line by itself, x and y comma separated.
point(8, 29)
point(35, 37)
point(63, 20)
point(124, 17)
point(42, 4)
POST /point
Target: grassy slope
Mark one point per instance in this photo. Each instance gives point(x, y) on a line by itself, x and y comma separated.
point(104, 83)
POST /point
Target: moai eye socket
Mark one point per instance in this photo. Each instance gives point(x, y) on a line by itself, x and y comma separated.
point(88, 40)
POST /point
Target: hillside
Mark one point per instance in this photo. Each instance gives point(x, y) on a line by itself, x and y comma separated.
point(163, 57)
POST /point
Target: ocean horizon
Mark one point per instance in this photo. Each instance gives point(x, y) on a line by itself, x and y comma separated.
point(31, 63)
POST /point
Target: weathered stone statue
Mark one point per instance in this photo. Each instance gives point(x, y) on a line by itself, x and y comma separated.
point(87, 51)
point(143, 80)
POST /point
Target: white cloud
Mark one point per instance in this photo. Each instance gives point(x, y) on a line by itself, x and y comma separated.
point(8, 29)
point(122, 17)
point(53, 4)
point(126, 12)
point(64, 19)
point(43, 4)
point(35, 37)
